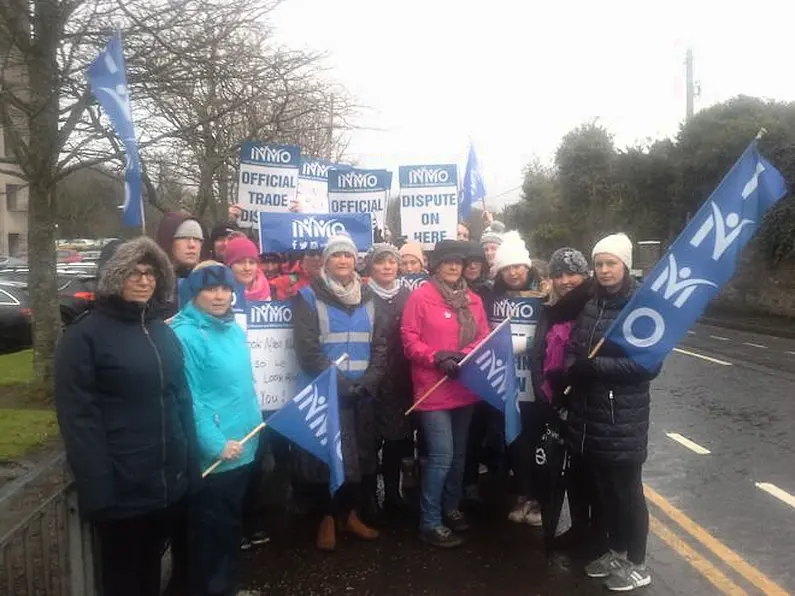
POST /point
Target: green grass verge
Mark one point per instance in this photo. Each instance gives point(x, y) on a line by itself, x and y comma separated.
point(24, 429)
point(16, 368)
point(25, 419)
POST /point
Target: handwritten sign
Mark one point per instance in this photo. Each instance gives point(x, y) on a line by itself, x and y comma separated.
point(270, 338)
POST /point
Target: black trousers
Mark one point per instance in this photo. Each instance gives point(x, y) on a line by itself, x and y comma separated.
point(270, 442)
point(626, 516)
point(529, 481)
point(585, 505)
point(131, 549)
point(216, 532)
point(485, 443)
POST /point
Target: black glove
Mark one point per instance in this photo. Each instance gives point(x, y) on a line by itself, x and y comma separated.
point(447, 362)
point(582, 368)
point(443, 355)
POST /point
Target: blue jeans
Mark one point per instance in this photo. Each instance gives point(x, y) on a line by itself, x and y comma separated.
point(445, 433)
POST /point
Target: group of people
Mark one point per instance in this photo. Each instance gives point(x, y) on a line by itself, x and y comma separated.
point(155, 392)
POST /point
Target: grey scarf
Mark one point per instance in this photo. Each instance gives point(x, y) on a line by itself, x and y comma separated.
point(350, 295)
point(383, 292)
point(457, 299)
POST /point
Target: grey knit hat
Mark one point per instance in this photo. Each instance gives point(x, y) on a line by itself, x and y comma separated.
point(567, 260)
point(378, 250)
point(342, 242)
point(492, 234)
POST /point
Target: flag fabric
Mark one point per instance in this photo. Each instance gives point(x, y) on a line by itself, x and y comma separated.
point(473, 189)
point(489, 371)
point(311, 420)
point(108, 80)
point(699, 262)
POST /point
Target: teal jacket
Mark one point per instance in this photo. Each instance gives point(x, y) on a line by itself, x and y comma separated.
point(221, 382)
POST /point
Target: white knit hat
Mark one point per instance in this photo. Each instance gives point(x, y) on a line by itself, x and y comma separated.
point(618, 245)
point(340, 243)
point(512, 251)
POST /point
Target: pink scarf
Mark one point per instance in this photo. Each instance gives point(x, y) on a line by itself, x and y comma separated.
point(260, 289)
point(557, 337)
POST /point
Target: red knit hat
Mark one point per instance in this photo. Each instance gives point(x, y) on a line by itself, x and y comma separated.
point(239, 248)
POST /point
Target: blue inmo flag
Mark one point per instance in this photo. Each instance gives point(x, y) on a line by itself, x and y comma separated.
point(699, 262)
point(474, 190)
point(312, 421)
point(108, 81)
point(489, 372)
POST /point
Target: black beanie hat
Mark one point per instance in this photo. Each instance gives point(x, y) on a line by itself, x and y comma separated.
point(446, 250)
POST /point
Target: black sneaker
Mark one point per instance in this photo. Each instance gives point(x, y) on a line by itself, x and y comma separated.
point(456, 521)
point(441, 537)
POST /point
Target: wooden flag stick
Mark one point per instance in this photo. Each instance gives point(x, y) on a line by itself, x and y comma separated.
point(243, 441)
point(257, 429)
point(464, 360)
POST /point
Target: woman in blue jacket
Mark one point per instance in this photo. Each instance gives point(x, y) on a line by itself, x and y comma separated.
point(225, 409)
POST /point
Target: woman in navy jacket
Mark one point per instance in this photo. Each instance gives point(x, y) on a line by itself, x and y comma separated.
point(126, 418)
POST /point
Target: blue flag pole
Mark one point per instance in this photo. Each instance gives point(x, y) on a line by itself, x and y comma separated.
point(256, 430)
point(464, 360)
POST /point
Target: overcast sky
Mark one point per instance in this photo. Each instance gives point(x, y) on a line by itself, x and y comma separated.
point(516, 75)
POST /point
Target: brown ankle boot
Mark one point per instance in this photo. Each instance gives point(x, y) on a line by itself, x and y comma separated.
point(356, 527)
point(327, 534)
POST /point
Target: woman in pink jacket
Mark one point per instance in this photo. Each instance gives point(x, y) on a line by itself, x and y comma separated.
point(442, 321)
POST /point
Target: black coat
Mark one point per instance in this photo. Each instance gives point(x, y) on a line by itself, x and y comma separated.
point(395, 395)
point(610, 404)
point(356, 397)
point(125, 411)
point(566, 309)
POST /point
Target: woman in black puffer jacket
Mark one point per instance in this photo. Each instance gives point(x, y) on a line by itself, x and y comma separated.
point(609, 418)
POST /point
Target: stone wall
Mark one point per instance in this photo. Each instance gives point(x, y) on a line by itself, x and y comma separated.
point(758, 289)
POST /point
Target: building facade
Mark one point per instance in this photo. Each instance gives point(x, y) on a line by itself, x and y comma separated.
point(13, 206)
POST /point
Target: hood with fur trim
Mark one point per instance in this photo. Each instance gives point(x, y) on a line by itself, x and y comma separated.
point(123, 262)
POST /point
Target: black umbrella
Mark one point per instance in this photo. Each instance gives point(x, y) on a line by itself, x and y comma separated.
point(553, 460)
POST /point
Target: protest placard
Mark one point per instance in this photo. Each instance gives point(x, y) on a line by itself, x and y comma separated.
point(281, 232)
point(413, 281)
point(428, 203)
point(359, 191)
point(268, 179)
point(270, 338)
point(313, 184)
point(239, 308)
point(524, 314)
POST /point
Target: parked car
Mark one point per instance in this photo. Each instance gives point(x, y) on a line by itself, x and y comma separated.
point(68, 255)
point(15, 317)
point(76, 291)
point(89, 255)
point(6, 261)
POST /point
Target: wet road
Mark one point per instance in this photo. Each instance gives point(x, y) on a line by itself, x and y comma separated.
point(720, 484)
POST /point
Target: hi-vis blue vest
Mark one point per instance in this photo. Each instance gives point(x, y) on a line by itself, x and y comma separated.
point(343, 333)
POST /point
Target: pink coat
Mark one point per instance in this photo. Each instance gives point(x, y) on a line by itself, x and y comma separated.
point(429, 325)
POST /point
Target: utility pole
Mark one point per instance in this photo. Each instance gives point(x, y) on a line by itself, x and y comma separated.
point(690, 82)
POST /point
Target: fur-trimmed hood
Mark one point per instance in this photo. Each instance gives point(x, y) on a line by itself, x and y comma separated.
point(123, 262)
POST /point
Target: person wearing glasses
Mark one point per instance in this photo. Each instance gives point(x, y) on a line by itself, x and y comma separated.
point(126, 418)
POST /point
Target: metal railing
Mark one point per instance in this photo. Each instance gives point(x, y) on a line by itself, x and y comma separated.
point(47, 549)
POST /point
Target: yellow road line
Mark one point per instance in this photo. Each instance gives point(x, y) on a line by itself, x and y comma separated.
point(720, 550)
point(715, 576)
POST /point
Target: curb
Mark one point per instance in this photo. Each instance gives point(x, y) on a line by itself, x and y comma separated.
point(783, 331)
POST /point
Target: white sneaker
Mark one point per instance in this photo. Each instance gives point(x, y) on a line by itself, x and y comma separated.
point(532, 515)
point(519, 511)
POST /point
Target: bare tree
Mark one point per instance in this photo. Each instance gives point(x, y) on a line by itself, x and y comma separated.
point(204, 77)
